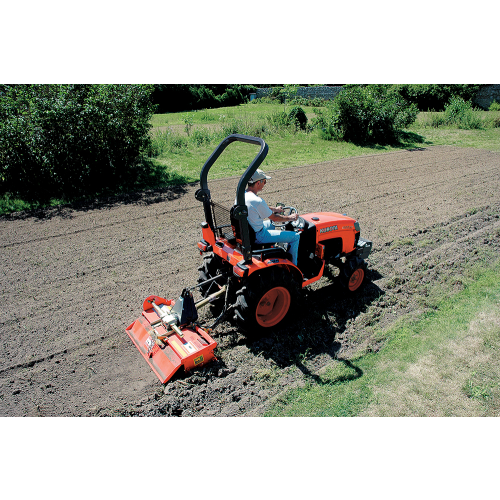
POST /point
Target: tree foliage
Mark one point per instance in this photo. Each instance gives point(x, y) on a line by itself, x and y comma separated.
point(173, 98)
point(434, 96)
point(71, 140)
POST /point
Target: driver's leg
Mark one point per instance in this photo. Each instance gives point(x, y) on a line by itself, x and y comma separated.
point(274, 236)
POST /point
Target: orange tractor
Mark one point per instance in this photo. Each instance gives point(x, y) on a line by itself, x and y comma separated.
point(257, 283)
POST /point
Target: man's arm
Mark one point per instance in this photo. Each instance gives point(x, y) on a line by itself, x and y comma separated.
point(283, 218)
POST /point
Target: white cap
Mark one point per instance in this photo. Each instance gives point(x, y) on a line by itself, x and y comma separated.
point(258, 175)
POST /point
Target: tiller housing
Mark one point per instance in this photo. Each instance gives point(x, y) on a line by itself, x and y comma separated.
point(168, 337)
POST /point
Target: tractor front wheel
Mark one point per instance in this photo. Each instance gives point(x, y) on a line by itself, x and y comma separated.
point(352, 274)
point(265, 300)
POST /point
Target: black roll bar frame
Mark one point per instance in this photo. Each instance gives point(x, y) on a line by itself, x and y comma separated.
point(240, 210)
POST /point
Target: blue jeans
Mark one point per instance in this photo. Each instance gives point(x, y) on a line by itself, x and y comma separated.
point(269, 234)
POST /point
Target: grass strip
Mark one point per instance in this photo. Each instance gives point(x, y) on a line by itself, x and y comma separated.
point(445, 363)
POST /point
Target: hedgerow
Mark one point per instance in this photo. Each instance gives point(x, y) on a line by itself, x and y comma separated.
point(71, 140)
point(186, 97)
point(434, 96)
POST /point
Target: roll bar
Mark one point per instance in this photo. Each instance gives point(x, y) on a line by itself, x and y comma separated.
point(240, 211)
point(240, 192)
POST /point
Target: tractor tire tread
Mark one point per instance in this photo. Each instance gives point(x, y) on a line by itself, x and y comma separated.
point(347, 270)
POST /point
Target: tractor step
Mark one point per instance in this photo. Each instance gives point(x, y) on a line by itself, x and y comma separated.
point(167, 347)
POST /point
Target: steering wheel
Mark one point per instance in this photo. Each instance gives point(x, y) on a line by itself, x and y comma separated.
point(296, 224)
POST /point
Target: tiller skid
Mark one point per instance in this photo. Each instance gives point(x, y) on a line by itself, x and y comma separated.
point(168, 336)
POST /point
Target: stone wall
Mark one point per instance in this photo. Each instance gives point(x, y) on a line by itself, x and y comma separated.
point(307, 92)
point(486, 95)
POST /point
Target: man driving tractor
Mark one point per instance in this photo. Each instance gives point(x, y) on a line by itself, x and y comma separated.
point(258, 210)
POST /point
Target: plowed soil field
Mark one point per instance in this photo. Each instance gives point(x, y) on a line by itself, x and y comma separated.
point(73, 278)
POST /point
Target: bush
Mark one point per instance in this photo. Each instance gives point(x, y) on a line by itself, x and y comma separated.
point(435, 119)
point(330, 133)
point(299, 101)
point(370, 113)
point(263, 100)
point(493, 121)
point(460, 113)
point(71, 140)
point(233, 96)
point(232, 127)
point(279, 120)
point(298, 117)
point(494, 106)
point(317, 101)
point(177, 143)
point(308, 101)
point(201, 136)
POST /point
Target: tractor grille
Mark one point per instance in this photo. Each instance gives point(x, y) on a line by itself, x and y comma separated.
point(222, 221)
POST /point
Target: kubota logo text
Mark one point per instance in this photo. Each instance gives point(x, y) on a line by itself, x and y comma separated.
point(326, 229)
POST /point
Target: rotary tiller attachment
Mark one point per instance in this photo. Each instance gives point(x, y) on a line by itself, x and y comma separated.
point(168, 336)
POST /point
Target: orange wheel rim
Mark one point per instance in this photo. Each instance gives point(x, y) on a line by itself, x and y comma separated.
point(273, 306)
point(356, 279)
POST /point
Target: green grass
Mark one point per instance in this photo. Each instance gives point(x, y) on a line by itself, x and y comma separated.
point(401, 243)
point(446, 136)
point(445, 363)
point(286, 151)
point(9, 204)
point(288, 148)
point(430, 125)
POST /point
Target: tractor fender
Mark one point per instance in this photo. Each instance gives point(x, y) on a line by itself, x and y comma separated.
point(244, 270)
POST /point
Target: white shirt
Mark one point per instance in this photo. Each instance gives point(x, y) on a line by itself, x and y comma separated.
point(258, 210)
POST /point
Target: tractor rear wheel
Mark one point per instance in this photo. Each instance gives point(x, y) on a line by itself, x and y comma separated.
point(352, 274)
point(265, 300)
point(211, 267)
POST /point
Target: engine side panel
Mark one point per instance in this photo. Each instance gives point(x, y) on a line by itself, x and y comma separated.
point(331, 225)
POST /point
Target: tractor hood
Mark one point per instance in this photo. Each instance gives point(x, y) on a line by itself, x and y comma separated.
point(326, 219)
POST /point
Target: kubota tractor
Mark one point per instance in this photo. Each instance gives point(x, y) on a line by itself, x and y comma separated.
point(258, 284)
point(261, 283)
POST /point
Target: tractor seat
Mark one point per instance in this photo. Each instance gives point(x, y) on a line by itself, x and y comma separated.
point(260, 251)
point(263, 251)
point(257, 247)
point(235, 223)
